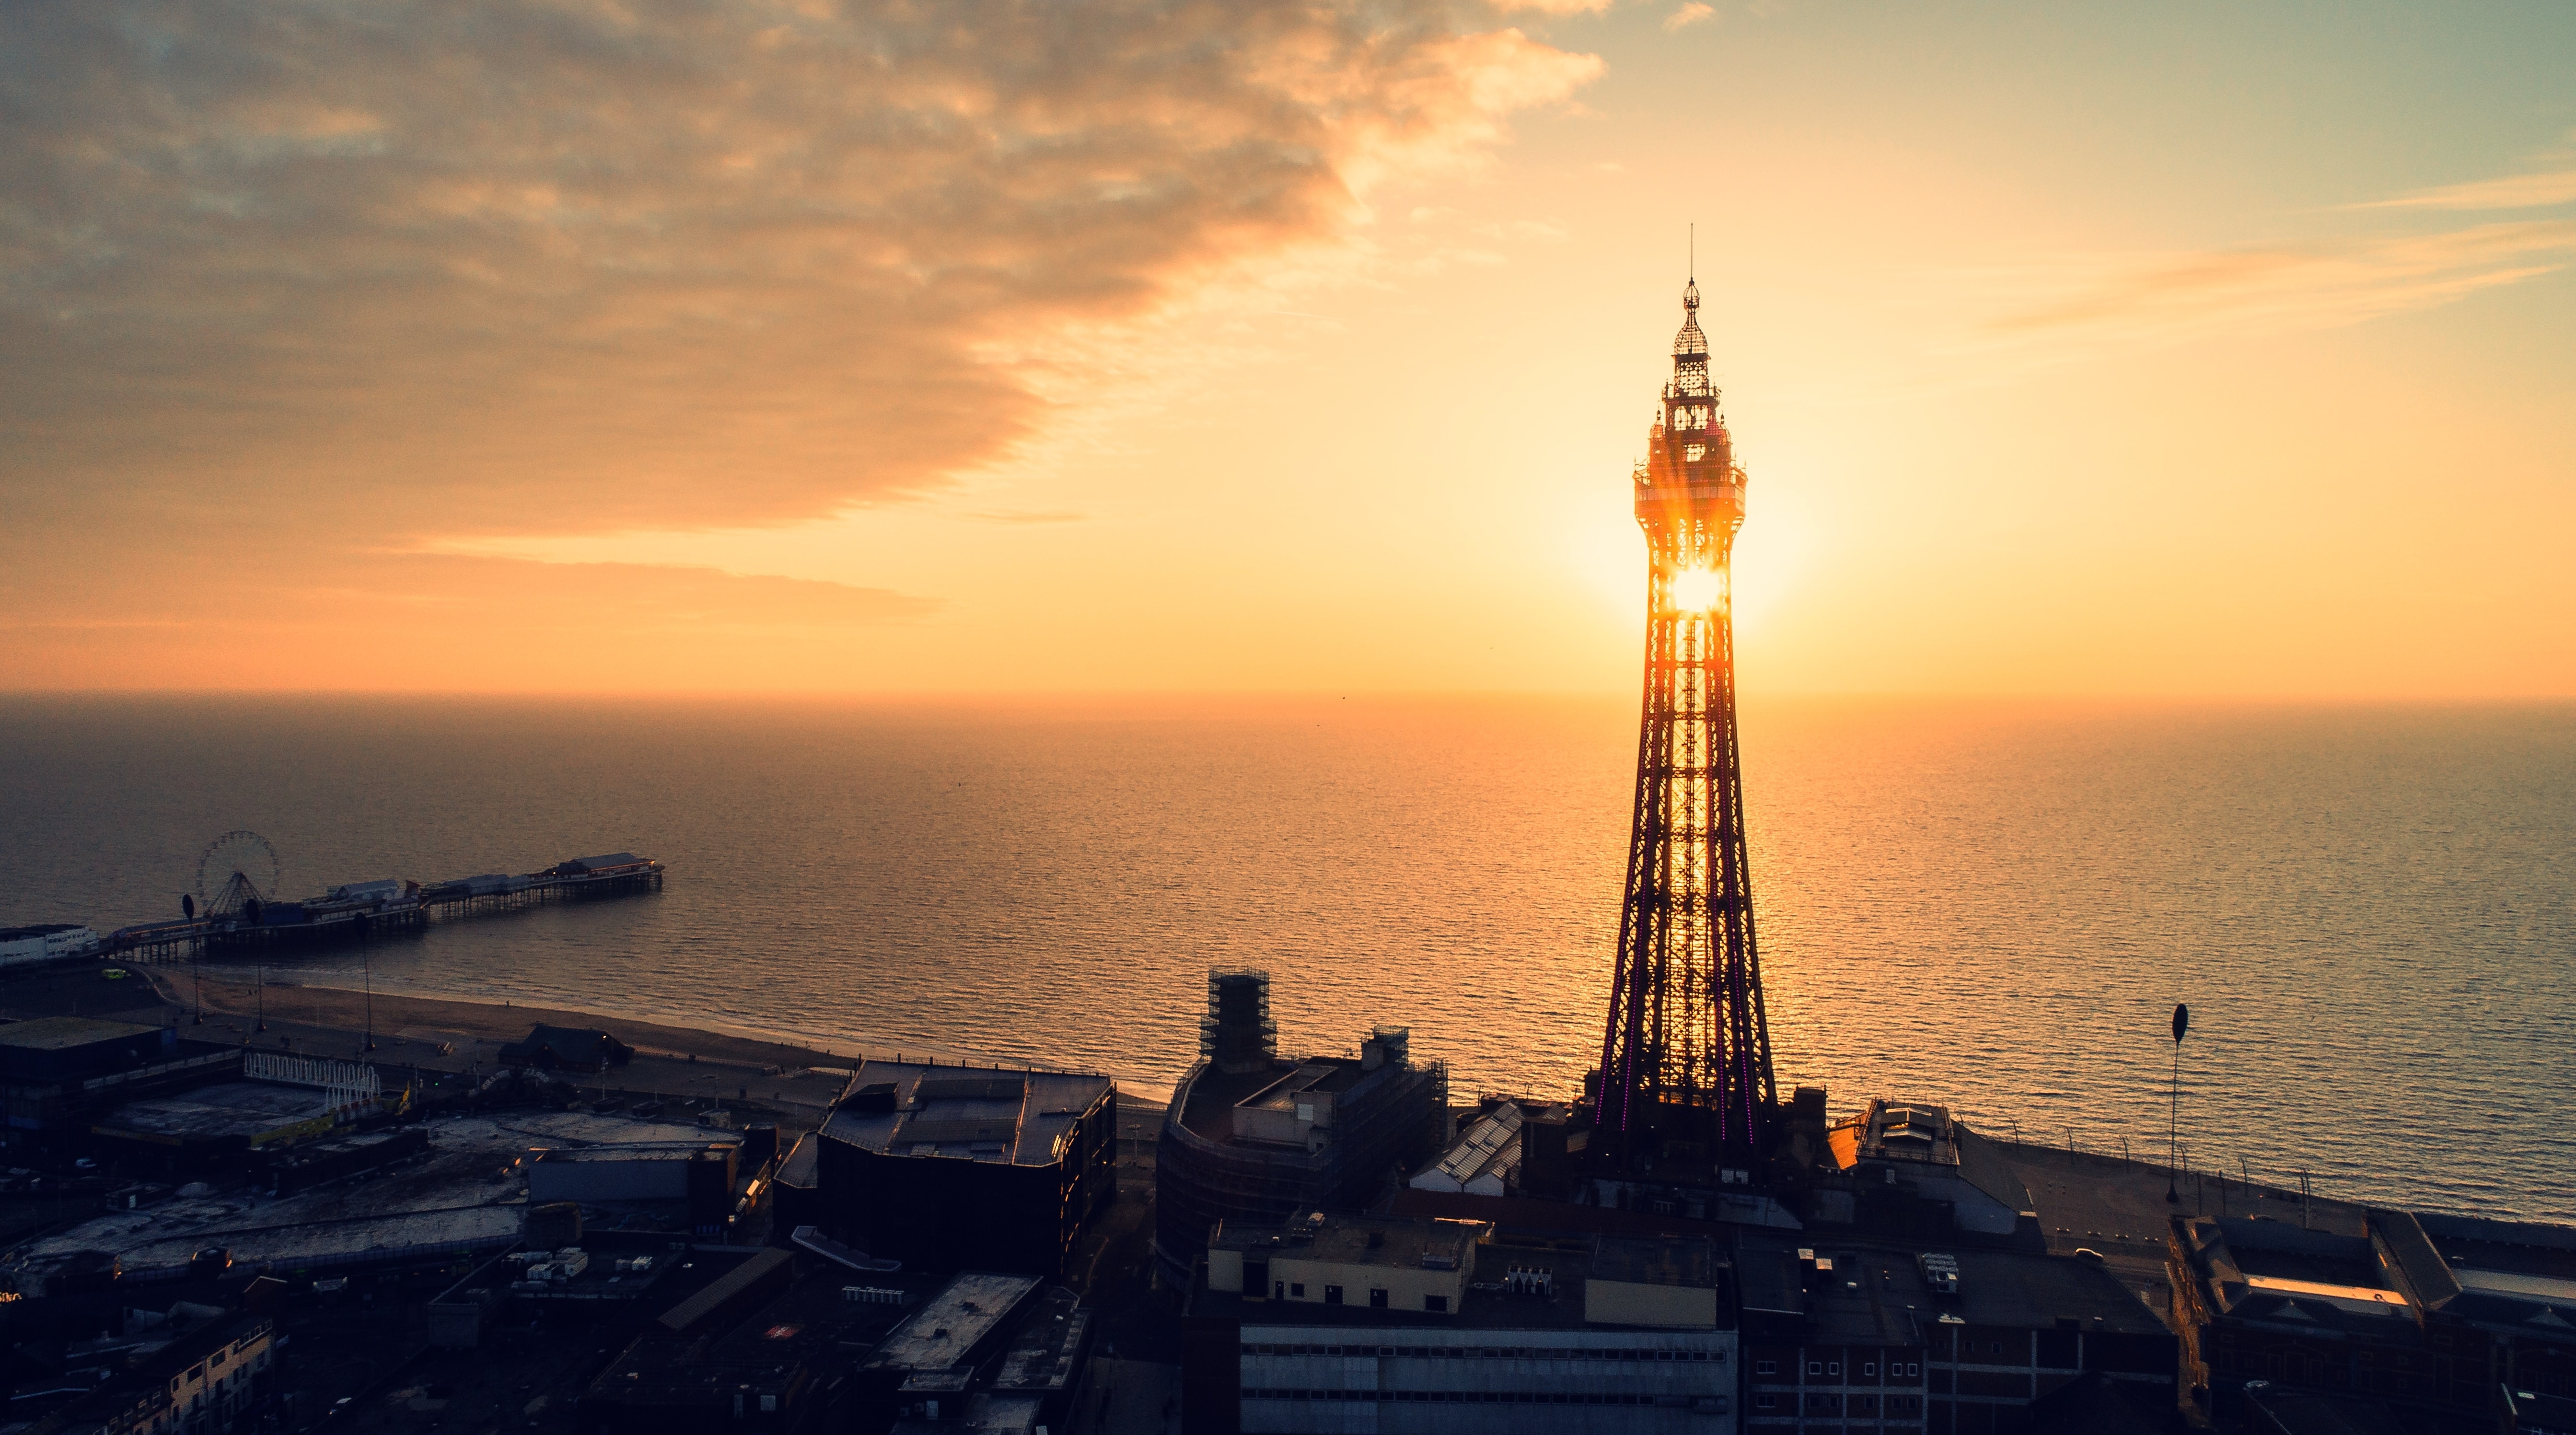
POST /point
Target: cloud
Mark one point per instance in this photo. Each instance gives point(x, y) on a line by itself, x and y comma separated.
point(1689, 14)
point(2294, 286)
point(411, 270)
point(2541, 190)
point(2075, 302)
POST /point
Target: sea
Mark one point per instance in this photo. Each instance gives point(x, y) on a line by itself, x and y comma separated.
point(2371, 911)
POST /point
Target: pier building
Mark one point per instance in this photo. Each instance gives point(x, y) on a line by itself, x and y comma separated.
point(1394, 1324)
point(943, 1167)
point(46, 942)
point(1252, 1136)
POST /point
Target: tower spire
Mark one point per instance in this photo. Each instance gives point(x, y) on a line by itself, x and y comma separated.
point(1685, 1074)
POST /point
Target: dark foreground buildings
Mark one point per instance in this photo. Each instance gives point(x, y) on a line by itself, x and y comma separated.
point(952, 1167)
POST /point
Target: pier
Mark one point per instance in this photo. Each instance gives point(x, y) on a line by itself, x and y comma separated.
point(369, 911)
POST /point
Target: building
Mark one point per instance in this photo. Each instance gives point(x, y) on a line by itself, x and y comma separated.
point(1397, 1324)
point(1871, 1337)
point(782, 1362)
point(942, 1167)
point(695, 1175)
point(1252, 1138)
point(57, 1074)
point(1913, 1170)
point(566, 1048)
point(1487, 1156)
point(2442, 1318)
point(204, 1382)
point(988, 1353)
point(49, 942)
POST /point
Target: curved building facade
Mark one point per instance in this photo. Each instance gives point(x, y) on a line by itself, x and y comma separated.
point(1254, 1137)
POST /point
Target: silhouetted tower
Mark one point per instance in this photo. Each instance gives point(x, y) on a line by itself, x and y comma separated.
point(1686, 1057)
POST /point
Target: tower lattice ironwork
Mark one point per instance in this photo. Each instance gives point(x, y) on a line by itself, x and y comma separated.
point(1686, 1055)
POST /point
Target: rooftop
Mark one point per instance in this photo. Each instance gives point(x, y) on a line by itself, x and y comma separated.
point(1402, 1242)
point(1865, 1293)
point(244, 1109)
point(63, 1033)
point(1021, 1118)
point(1500, 1295)
point(943, 1334)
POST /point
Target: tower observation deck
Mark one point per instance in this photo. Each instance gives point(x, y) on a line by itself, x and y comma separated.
point(1685, 1079)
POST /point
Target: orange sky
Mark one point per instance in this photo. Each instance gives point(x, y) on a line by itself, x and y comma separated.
point(1246, 347)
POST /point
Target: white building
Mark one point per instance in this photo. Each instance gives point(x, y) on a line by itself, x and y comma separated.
point(49, 942)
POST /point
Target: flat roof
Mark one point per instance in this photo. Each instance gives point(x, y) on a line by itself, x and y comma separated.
point(61, 1033)
point(946, 1330)
point(233, 1108)
point(656, 1151)
point(1019, 1118)
point(1396, 1242)
point(1876, 1294)
point(1491, 1302)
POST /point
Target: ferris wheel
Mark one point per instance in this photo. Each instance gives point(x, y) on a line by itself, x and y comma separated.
point(237, 874)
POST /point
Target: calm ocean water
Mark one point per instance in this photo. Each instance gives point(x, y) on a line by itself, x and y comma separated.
point(2371, 911)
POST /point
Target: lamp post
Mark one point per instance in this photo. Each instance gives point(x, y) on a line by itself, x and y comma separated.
point(2173, 1114)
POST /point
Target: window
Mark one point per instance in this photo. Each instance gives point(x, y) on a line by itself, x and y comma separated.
point(1912, 1368)
point(1815, 1367)
point(1870, 1369)
point(1435, 1302)
point(1298, 1290)
point(1766, 1367)
point(1833, 1367)
point(1332, 1295)
point(1766, 1402)
point(1377, 1298)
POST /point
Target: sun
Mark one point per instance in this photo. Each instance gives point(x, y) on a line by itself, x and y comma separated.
point(1696, 590)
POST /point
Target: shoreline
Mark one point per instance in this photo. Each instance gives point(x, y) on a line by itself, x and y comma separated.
point(402, 1014)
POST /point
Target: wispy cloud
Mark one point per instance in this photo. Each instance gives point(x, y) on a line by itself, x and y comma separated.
point(2294, 286)
point(1690, 13)
point(2071, 302)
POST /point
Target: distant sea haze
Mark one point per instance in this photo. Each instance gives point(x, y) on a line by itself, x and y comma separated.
point(2372, 911)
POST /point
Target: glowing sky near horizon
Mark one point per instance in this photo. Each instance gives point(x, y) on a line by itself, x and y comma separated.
point(2200, 351)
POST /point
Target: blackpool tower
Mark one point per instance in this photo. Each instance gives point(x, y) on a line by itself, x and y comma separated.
point(1685, 1081)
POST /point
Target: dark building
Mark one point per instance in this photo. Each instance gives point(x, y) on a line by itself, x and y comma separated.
point(58, 1074)
point(1251, 1137)
point(988, 1354)
point(763, 1357)
point(2436, 1317)
point(942, 1167)
point(1887, 1338)
point(1433, 1326)
point(566, 1048)
point(204, 1382)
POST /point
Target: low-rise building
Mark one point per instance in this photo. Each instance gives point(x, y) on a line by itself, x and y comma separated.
point(1869, 1337)
point(943, 1167)
point(46, 942)
point(204, 1382)
point(1396, 1324)
point(1911, 1169)
point(2438, 1316)
point(1487, 1155)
